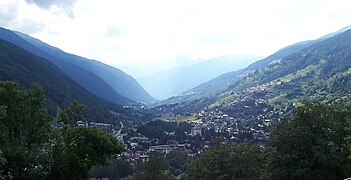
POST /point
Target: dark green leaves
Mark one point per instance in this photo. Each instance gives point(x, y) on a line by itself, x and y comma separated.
point(312, 144)
point(230, 161)
point(33, 146)
point(84, 147)
point(25, 128)
point(72, 114)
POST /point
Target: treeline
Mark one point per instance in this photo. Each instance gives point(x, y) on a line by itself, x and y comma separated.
point(36, 145)
point(158, 128)
point(312, 144)
point(164, 131)
point(159, 167)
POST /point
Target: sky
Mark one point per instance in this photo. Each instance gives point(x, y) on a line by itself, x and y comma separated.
point(146, 36)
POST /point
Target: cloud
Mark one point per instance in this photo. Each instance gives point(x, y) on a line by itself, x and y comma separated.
point(155, 32)
point(35, 17)
point(113, 31)
point(8, 12)
point(48, 3)
point(63, 6)
point(31, 26)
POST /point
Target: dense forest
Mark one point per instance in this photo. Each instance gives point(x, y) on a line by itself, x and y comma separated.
point(36, 145)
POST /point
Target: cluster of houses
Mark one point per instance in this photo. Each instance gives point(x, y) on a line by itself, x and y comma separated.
point(256, 127)
point(262, 87)
point(102, 126)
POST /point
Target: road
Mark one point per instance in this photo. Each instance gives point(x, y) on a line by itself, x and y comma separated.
point(118, 133)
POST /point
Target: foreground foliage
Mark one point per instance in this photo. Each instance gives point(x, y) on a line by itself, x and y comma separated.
point(312, 144)
point(154, 169)
point(229, 161)
point(35, 145)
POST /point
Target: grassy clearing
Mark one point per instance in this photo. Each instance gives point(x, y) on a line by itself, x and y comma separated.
point(188, 119)
point(303, 72)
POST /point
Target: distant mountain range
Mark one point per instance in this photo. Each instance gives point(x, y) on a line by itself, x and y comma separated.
point(26, 68)
point(221, 83)
point(177, 80)
point(100, 79)
point(310, 71)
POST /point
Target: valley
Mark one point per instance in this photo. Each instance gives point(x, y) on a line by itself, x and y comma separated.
point(248, 109)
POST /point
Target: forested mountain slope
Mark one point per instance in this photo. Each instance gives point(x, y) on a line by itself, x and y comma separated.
point(122, 83)
point(26, 68)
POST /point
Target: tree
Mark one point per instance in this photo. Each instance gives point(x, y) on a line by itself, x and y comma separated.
point(85, 147)
point(229, 161)
point(155, 169)
point(177, 162)
point(75, 150)
point(35, 146)
point(119, 168)
point(72, 114)
point(313, 144)
point(25, 127)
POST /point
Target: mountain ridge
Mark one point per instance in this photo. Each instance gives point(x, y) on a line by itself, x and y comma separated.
point(318, 73)
point(285, 74)
point(26, 68)
point(79, 69)
point(177, 80)
point(122, 83)
point(76, 73)
point(221, 83)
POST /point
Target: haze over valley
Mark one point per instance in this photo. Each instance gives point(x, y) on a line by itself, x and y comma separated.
point(175, 90)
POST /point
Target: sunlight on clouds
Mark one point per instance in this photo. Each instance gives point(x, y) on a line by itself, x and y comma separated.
point(157, 32)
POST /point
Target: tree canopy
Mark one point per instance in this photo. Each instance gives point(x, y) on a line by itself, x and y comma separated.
point(35, 145)
point(229, 161)
point(313, 144)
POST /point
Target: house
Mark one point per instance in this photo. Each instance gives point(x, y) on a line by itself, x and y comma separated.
point(196, 131)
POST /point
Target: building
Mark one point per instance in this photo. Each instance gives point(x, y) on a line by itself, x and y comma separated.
point(196, 131)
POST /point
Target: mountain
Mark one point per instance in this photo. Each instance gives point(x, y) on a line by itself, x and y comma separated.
point(320, 72)
point(100, 79)
point(26, 68)
point(140, 70)
point(121, 83)
point(177, 80)
point(334, 33)
point(223, 82)
point(86, 79)
point(304, 72)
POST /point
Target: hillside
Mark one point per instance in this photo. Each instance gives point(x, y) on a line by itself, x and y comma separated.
point(177, 80)
point(228, 81)
point(318, 73)
point(26, 68)
point(82, 70)
point(122, 83)
point(305, 72)
point(216, 86)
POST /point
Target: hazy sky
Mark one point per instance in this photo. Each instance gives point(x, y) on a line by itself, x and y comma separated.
point(149, 33)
